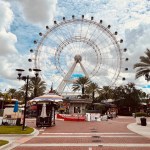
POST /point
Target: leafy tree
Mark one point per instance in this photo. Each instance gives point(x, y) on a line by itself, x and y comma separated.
point(143, 67)
point(1, 94)
point(118, 93)
point(20, 95)
point(128, 96)
point(81, 84)
point(12, 92)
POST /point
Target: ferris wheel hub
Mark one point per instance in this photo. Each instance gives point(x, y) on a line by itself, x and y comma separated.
point(77, 58)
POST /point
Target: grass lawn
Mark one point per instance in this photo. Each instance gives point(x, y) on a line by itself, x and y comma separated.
point(15, 130)
point(3, 142)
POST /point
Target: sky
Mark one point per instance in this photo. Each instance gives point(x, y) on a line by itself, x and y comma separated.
point(22, 20)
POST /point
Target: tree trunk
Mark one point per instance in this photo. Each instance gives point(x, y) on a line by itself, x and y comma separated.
point(83, 90)
point(93, 95)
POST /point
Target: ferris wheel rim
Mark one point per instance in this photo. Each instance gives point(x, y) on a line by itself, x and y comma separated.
point(106, 31)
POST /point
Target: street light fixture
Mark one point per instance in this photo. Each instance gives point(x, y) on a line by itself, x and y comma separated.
point(26, 79)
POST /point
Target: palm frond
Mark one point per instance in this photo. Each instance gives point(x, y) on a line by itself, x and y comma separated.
point(143, 67)
point(148, 53)
point(145, 60)
point(141, 73)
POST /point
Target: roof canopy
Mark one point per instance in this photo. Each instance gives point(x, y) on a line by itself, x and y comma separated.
point(51, 97)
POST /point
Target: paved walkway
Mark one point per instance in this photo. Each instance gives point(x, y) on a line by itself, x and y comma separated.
point(117, 134)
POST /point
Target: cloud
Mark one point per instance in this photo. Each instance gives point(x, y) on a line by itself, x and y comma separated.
point(6, 15)
point(37, 11)
point(7, 42)
point(7, 39)
point(131, 18)
point(137, 41)
point(5, 86)
point(9, 56)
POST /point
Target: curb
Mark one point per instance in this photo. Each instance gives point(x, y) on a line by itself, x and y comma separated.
point(6, 146)
point(141, 130)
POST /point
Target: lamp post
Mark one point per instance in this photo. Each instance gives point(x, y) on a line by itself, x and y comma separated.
point(26, 79)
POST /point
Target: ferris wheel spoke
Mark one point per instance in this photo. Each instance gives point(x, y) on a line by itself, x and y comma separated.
point(99, 34)
point(93, 33)
point(104, 48)
point(71, 36)
point(50, 41)
point(80, 44)
point(87, 30)
point(67, 33)
point(107, 69)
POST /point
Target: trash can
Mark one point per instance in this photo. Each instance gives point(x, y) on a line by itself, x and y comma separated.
point(143, 121)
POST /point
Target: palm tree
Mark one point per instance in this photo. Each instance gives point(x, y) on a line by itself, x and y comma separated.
point(20, 95)
point(143, 67)
point(36, 87)
point(106, 93)
point(81, 83)
point(92, 88)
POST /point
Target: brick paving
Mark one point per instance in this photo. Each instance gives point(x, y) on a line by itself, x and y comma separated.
point(89, 140)
point(83, 148)
point(113, 132)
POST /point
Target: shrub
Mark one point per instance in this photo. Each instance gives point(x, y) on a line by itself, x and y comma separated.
point(140, 114)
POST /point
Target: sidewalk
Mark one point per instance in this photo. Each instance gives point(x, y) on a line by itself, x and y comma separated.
point(142, 130)
point(82, 135)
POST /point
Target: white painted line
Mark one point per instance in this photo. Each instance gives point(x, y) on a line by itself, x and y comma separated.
point(86, 144)
point(41, 130)
point(88, 133)
point(76, 136)
point(90, 148)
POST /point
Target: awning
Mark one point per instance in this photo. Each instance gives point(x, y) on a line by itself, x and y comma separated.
point(51, 97)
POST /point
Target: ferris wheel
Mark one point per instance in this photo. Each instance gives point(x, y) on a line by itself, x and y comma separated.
point(79, 47)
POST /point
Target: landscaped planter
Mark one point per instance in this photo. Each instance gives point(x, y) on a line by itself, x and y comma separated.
point(139, 115)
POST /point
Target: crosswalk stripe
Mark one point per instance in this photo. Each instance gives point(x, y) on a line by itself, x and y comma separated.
point(74, 136)
point(85, 145)
point(88, 133)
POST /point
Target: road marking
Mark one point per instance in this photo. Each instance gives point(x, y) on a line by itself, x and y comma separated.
point(90, 148)
point(86, 145)
point(89, 133)
point(119, 122)
point(76, 136)
point(41, 130)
